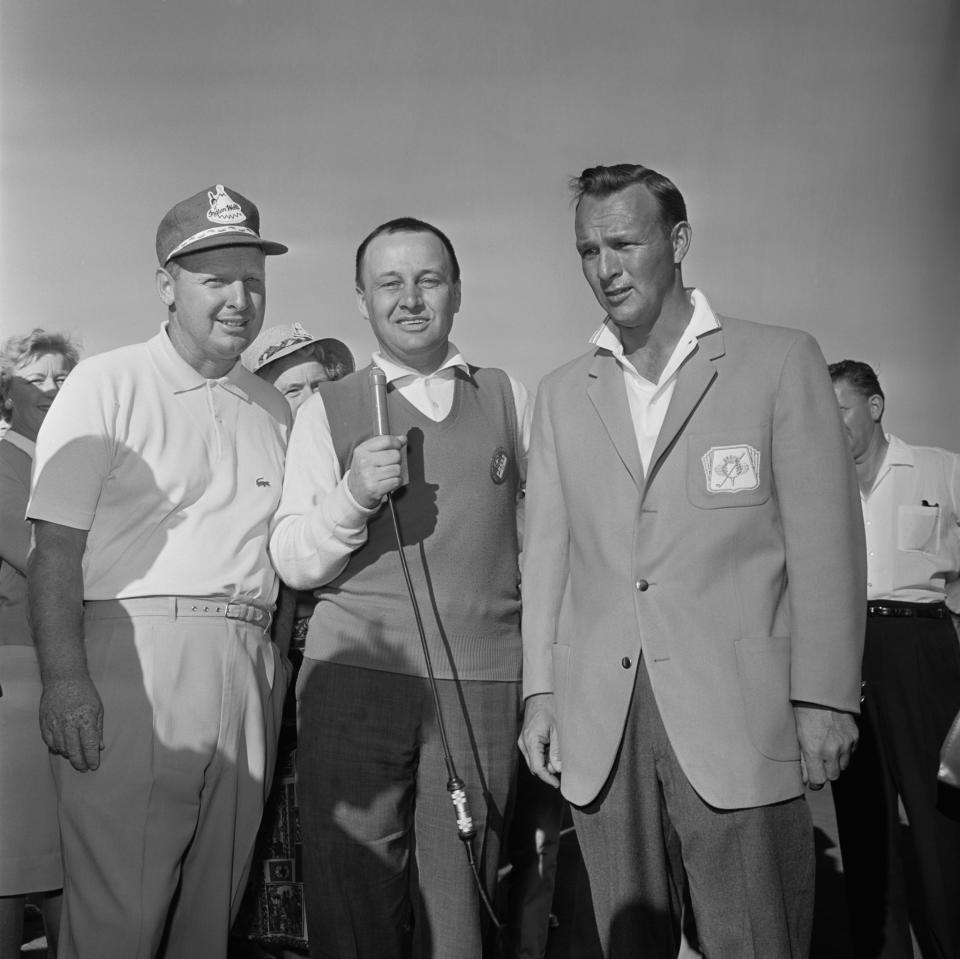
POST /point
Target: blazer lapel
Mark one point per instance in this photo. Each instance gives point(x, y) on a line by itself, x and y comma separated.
point(693, 380)
point(608, 395)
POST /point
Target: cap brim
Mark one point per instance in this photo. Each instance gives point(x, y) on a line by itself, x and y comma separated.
point(269, 247)
point(286, 351)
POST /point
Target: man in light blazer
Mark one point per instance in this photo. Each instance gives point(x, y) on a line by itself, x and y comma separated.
point(694, 588)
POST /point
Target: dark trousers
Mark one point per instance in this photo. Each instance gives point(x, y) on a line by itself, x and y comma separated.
point(534, 850)
point(911, 671)
point(651, 843)
point(385, 873)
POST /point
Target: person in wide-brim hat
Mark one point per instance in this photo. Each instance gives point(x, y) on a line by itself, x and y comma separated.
point(296, 362)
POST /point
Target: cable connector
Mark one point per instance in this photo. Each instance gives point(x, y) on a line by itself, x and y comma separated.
point(466, 829)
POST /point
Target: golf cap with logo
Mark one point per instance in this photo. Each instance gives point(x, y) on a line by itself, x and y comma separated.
point(219, 216)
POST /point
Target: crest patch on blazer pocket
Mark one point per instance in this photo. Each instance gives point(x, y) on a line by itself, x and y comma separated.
point(731, 469)
point(728, 469)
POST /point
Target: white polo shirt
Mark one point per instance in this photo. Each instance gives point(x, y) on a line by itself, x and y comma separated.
point(175, 476)
point(912, 521)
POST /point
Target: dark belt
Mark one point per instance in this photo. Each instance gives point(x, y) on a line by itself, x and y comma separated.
point(907, 610)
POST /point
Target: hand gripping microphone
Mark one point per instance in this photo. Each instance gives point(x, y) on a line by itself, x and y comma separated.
point(466, 828)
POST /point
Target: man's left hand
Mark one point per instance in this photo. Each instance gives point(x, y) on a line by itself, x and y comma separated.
point(827, 740)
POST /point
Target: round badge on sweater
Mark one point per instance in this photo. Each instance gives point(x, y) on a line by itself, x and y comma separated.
point(498, 465)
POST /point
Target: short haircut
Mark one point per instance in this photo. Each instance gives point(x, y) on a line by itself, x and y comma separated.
point(858, 376)
point(15, 351)
point(406, 224)
point(332, 354)
point(335, 357)
point(603, 181)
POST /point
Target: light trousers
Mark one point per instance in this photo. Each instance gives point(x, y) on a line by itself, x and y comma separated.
point(157, 841)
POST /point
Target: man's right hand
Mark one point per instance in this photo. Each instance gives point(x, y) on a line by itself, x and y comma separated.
point(539, 740)
point(71, 721)
point(375, 469)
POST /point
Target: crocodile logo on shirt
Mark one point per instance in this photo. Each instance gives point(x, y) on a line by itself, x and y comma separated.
point(262, 482)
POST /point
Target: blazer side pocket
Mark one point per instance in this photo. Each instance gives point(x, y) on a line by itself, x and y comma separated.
point(763, 666)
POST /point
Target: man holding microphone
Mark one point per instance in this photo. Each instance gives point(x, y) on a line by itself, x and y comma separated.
point(382, 855)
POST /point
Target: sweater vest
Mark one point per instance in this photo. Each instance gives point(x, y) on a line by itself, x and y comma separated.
point(457, 519)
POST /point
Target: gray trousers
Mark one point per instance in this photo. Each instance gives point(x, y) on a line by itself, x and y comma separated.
point(651, 845)
point(385, 874)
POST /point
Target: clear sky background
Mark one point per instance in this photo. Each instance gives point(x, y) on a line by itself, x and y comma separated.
point(817, 144)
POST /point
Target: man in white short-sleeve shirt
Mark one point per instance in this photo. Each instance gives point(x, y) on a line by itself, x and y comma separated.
point(910, 496)
point(150, 591)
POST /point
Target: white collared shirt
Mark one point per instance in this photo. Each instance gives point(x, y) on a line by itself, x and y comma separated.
point(912, 521)
point(649, 401)
point(319, 523)
point(430, 393)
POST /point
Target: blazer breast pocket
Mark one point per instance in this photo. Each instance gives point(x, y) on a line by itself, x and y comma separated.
point(918, 528)
point(729, 468)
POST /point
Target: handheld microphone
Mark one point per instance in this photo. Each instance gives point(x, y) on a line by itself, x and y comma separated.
point(378, 393)
point(381, 422)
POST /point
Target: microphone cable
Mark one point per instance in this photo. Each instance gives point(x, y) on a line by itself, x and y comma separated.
point(466, 829)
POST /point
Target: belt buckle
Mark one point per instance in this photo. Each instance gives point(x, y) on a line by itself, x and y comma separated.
point(235, 611)
point(247, 613)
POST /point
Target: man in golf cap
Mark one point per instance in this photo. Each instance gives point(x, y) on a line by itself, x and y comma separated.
point(150, 595)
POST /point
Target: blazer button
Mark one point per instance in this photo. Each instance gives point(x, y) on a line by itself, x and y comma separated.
point(642, 585)
point(625, 662)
